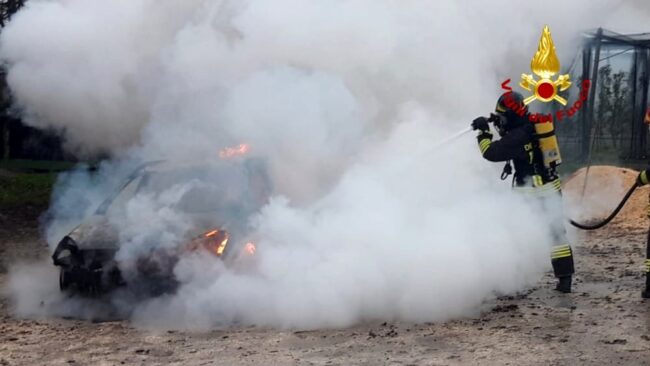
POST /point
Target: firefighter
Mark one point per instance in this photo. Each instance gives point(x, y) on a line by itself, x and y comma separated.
point(643, 179)
point(534, 175)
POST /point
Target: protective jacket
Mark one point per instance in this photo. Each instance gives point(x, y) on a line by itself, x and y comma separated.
point(516, 145)
point(519, 145)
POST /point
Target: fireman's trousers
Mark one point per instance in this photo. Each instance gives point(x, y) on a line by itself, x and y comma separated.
point(548, 198)
point(646, 292)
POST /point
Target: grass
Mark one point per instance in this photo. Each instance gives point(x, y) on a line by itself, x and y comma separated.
point(35, 166)
point(28, 183)
point(26, 189)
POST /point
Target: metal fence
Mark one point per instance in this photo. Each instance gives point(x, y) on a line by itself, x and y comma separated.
point(610, 127)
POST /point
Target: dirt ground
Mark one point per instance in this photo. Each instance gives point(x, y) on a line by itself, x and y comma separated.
point(605, 320)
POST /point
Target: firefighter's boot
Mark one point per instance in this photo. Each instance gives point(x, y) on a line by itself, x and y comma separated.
point(646, 293)
point(564, 284)
point(562, 260)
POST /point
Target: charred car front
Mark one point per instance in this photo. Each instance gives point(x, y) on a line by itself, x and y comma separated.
point(216, 199)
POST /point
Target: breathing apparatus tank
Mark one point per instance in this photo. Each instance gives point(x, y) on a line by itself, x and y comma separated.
point(548, 146)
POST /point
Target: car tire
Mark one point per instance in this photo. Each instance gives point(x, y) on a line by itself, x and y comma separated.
point(64, 279)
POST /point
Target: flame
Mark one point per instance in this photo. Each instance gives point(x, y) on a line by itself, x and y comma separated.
point(222, 246)
point(207, 240)
point(545, 62)
point(250, 248)
point(229, 152)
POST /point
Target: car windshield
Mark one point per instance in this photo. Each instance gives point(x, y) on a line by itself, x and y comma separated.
point(199, 190)
point(228, 188)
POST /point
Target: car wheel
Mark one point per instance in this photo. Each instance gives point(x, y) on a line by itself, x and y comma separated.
point(64, 279)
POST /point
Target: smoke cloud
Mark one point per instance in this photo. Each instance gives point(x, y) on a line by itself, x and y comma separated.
point(344, 100)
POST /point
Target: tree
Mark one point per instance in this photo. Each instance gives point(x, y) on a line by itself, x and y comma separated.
point(619, 106)
point(604, 97)
point(7, 9)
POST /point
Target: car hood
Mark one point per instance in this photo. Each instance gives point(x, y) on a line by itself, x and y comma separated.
point(96, 232)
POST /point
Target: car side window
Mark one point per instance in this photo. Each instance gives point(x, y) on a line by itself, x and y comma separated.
point(124, 195)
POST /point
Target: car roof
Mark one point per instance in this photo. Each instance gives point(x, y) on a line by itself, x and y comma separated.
point(156, 166)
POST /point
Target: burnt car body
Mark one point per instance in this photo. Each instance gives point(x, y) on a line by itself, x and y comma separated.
point(221, 198)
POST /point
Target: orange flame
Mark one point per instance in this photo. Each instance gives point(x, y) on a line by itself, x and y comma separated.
point(211, 233)
point(250, 248)
point(222, 246)
point(215, 235)
point(230, 152)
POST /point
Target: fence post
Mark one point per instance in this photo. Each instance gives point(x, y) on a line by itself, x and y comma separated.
point(584, 126)
point(592, 95)
point(643, 143)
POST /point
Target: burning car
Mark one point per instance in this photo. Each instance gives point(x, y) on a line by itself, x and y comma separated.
point(216, 200)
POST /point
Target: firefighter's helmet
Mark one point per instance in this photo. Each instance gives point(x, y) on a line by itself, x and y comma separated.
point(510, 101)
point(511, 110)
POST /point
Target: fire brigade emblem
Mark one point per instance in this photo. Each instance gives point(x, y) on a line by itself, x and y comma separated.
point(545, 64)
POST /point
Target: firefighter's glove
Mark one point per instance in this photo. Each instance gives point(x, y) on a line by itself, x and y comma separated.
point(481, 124)
point(484, 135)
point(643, 178)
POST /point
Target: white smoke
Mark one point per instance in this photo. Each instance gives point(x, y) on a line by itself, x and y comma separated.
point(346, 101)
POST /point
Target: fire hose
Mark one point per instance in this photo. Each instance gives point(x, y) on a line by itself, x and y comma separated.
point(611, 216)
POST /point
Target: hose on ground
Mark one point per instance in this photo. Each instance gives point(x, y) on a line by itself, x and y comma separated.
point(611, 216)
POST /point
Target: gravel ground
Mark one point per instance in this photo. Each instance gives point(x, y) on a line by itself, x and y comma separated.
point(604, 321)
